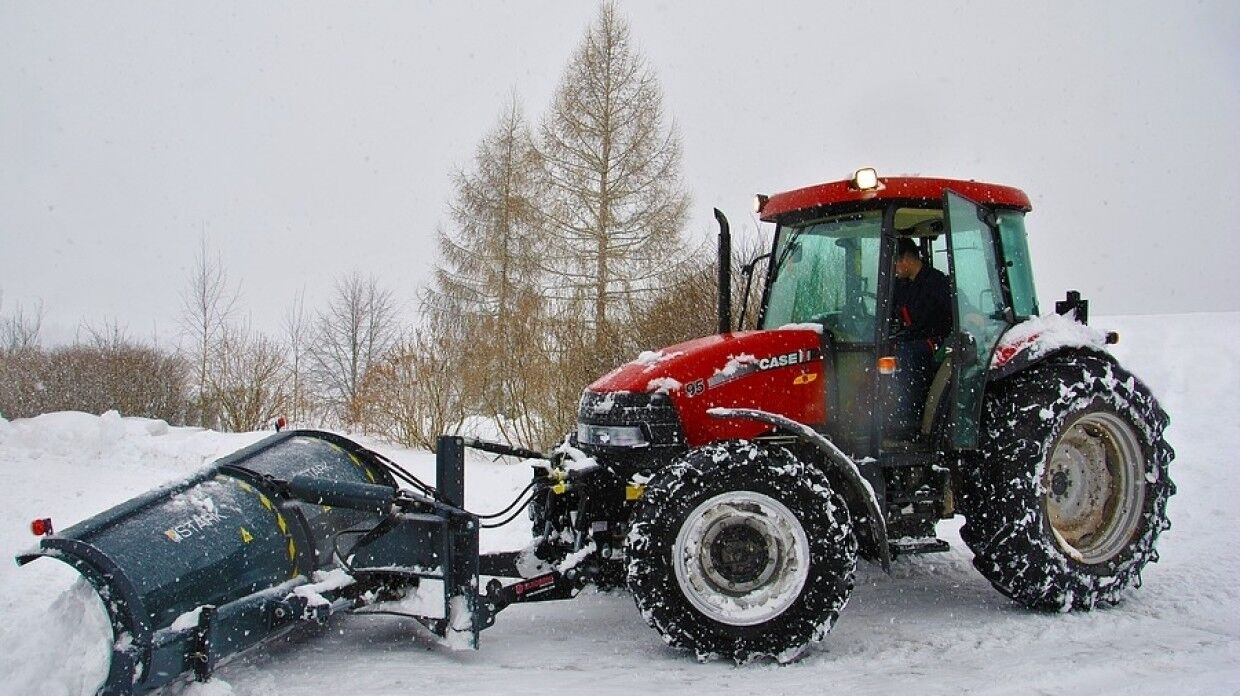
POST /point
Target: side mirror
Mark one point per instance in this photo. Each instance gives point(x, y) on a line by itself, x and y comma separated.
point(1074, 306)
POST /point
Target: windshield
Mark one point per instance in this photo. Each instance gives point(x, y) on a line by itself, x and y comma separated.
point(827, 272)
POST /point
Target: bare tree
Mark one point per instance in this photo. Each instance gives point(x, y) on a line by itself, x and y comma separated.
point(248, 379)
point(20, 331)
point(355, 330)
point(297, 330)
point(412, 396)
point(22, 366)
point(616, 204)
point(687, 307)
point(207, 304)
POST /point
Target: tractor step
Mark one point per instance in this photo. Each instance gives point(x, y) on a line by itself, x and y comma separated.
point(908, 546)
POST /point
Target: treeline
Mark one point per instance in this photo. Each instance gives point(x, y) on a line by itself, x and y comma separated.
point(94, 375)
point(563, 256)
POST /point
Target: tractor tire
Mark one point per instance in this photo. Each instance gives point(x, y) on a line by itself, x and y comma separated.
point(740, 552)
point(1069, 490)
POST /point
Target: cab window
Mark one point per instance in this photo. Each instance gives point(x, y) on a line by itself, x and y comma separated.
point(827, 272)
point(1016, 257)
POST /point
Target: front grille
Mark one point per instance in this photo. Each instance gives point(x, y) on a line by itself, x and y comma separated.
point(654, 413)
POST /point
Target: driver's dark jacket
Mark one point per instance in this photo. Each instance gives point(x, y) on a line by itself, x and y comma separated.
point(923, 306)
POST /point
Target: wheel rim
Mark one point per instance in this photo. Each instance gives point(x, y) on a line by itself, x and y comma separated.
point(1094, 487)
point(741, 558)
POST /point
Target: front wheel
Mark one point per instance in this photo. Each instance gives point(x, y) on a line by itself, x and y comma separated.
point(740, 551)
point(1069, 493)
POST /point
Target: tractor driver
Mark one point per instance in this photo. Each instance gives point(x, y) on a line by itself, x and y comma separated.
point(922, 314)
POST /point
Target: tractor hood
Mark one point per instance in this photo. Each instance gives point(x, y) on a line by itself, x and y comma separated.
point(780, 371)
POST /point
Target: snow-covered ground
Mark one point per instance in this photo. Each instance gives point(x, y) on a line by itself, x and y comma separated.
point(932, 626)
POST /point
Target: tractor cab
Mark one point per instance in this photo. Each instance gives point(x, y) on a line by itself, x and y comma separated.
point(832, 264)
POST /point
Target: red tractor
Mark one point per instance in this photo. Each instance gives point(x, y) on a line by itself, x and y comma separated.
point(732, 481)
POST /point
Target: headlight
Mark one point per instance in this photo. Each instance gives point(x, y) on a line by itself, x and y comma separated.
point(611, 435)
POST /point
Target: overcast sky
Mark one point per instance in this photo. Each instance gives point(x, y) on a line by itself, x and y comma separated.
point(307, 140)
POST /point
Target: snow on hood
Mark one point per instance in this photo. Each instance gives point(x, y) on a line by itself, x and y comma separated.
point(663, 385)
point(651, 358)
point(804, 326)
point(735, 364)
point(721, 356)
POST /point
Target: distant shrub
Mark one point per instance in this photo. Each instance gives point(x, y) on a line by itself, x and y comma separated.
point(134, 379)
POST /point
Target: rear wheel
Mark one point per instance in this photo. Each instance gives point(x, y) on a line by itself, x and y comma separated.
point(1069, 493)
point(741, 552)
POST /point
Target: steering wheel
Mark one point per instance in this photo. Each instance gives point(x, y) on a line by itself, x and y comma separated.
point(855, 317)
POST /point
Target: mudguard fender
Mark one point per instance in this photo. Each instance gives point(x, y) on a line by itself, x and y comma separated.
point(1032, 341)
point(859, 488)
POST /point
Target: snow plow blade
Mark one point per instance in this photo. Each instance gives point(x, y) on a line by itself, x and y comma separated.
point(293, 528)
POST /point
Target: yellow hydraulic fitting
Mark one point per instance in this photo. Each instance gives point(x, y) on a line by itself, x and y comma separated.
point(560, 477)
point(634, 491)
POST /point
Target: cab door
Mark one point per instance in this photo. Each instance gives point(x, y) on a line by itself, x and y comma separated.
point(980, 310)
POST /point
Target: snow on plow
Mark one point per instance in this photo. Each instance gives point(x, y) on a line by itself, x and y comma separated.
point(293, 528)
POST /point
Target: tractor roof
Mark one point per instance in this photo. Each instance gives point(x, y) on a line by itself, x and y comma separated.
point(891, 188)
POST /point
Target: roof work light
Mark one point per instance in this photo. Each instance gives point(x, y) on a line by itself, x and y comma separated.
point(865, 179)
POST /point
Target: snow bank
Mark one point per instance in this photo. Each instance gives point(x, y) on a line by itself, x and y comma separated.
point(65, 649)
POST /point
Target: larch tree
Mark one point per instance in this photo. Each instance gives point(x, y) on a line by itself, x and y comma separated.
point(489, 256)
point(488, 278)
point(616, 205)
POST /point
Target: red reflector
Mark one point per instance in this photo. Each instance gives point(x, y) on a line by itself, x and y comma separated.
point(41, 527)
point(281, 424)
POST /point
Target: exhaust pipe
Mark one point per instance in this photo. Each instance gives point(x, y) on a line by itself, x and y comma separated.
point(725, 273)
